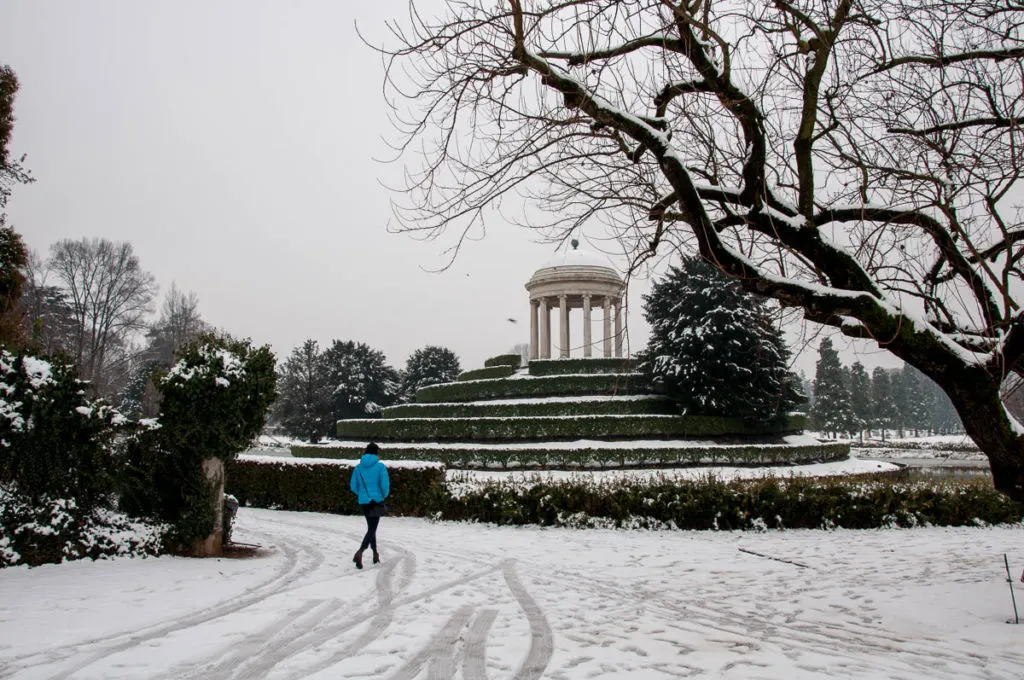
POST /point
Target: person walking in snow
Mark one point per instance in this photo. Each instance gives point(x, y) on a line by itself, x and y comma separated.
point(371, 484)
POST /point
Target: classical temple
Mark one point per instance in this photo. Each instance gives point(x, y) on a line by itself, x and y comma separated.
point(575, 411)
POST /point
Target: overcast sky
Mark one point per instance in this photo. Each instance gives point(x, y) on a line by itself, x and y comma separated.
point(233, 143)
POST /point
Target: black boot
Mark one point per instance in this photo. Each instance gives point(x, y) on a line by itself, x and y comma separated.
point(358, 559)
point(376, 557)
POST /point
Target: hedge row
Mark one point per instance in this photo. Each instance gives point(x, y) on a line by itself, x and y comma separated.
point(550, 386)
point(487, 373)
point(499, 458)
point(323, 486)
point(853, 502)
point(555, 428)
point(847, 502)
point(580, 366)
point(513, 360)
point(604, 406)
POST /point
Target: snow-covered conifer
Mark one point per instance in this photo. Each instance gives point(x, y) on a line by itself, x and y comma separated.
point(428, 366)
point(832, 410)
point(360, 379)
point(713, 347)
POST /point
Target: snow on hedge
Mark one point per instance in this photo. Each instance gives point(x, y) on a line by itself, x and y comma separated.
point(279, 460)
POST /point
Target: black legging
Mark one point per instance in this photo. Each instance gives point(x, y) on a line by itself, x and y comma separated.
point(370, 539)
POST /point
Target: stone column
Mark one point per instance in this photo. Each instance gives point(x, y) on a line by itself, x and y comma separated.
point(545, 330)
point(213, 470)
point(534, 331)
point(607, 327)
point(586, 325)
point(563, 318)
point(618, 327)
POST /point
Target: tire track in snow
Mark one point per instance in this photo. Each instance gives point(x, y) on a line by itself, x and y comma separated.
point(119, 642)
point(474, 659)
point(378, 624)
point(439, 651)
point(542, 644)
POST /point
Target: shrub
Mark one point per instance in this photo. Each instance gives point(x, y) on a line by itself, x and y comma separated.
point(552, 428)
point(513, 360)
point(487, 373)
point(53, 440)
point(318, 485)
point(215, 401)
point(847, 502)
point(550, 386)
point(567, 407)
point(541, 367)
point(498, 457)
point(45, 529)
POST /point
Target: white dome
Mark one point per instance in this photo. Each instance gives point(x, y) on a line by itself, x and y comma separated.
point(578, 258)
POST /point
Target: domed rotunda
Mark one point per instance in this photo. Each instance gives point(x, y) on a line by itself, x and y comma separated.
point(575, 279)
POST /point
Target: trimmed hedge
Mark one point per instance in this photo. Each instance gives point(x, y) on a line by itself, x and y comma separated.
point(500, 458)
point(487, 373)
point(550, 386)
point(322, 486)
point(513, 360)
point(607, 406)
point(581, 366)
point(554, 428)
point(853, 502)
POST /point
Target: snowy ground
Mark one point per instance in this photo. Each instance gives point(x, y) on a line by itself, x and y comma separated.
point(476, 601)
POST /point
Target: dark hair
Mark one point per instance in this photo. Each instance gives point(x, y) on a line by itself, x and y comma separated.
point(372, 448)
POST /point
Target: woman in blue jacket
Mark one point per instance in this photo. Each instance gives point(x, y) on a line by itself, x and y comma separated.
point(371, 484)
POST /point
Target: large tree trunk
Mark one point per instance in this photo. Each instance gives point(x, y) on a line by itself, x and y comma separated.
point(978, 401)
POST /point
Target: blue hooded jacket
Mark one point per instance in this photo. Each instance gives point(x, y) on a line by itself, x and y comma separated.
point(370, 480)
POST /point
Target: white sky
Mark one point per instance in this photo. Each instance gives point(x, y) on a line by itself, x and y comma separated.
point(233, 143)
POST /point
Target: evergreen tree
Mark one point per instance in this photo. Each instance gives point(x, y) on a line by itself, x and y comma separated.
point(360, 379)
point(883, 404)
point(305, 401)
point(832, 410)
point(860, 396)
point(911, 400)
point(428, 366)
point(713, 347)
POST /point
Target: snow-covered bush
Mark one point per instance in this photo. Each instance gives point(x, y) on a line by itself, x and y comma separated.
point(849, 502)
point(215, 402)
point(46, 529)
point(54, 441)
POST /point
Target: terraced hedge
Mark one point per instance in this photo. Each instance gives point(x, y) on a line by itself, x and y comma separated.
point(322, 486)
point(550, 386)
point(554, 428)
point(499, 458)
point(487, 373)
point(609, 406)
point(513, 360)
point(580, 366)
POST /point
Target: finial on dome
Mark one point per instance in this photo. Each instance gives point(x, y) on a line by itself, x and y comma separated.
point(575, 244)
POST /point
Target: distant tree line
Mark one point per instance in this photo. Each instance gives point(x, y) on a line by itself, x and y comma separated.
point(348, 379)
point(849, 400)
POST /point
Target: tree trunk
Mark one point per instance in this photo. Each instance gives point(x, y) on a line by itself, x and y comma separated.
point(987, 422)
point(211, 546)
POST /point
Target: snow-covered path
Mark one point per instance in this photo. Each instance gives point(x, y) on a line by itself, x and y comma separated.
point(474, 602)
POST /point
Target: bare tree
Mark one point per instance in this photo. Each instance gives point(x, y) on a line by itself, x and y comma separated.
point(110, 296)
point(855, 159)
point(180, 323)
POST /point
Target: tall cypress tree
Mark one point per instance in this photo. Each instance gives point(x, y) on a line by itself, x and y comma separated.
point(860, 396)
point(713, 347)
point(883, 402)
point(832, 411)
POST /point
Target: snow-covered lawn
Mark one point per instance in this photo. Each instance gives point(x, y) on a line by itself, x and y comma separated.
point(477, 601)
